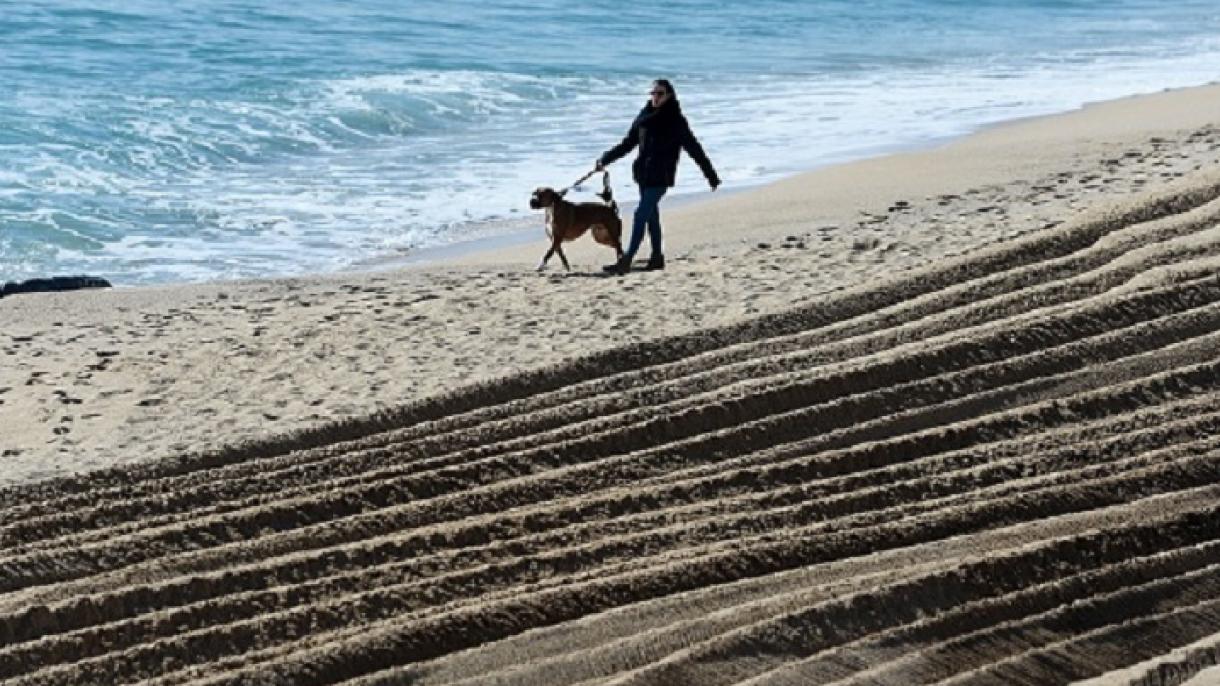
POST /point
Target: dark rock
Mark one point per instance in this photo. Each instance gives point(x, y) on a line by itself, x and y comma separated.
point(55, 283)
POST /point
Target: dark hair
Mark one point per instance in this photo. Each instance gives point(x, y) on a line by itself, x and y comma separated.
point(669, 87)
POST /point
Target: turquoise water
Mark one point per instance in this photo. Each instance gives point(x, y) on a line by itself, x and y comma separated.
point(145, 142)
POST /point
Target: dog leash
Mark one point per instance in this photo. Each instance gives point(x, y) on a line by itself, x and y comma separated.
point(580, 181)
point(606, 195)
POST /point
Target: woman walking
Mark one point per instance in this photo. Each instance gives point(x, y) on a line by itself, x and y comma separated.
point(662, 132)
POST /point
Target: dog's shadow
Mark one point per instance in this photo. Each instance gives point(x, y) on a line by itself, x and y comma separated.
point(557, 276)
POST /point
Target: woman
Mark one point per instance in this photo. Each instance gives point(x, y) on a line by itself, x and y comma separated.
point(662, 132)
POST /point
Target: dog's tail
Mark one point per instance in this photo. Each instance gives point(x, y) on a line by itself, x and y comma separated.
point(607, 195)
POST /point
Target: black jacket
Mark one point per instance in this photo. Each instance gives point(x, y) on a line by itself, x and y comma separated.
point(662, 133)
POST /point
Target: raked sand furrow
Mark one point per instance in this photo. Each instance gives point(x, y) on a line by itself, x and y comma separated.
point(677, 637)
point(1056, 410)
point(1179, 665)
point(770, 553)
point(404, 640)
point(1008, 636)
point(1182, 383)
point(1123, 439)
point(1136, 629)
point(582, 641)
point(982, 594)
point(117, 634)
point(582, 509)
point(920, 651)
point(1117, 580)
point(959, 402)
point(393, 676)
point(1094, 490)
point(295, 513)
point(581, 666)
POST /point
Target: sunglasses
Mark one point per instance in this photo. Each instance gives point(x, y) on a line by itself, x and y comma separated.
point(656, 92)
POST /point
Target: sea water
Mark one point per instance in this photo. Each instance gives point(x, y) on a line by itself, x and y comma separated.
point(151, 142)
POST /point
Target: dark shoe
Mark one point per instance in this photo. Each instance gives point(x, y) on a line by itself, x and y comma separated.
point(621, 267)
point(654, 264)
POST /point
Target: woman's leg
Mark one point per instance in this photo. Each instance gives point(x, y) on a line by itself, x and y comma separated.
point(647, 215)
point(654, 227)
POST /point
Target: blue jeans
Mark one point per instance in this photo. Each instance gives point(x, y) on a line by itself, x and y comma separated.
point(647, 214)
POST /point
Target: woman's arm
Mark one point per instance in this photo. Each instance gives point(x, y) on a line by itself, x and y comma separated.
point(692, 147)
point(629, 142)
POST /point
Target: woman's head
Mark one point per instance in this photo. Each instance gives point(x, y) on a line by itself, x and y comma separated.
point(661, 92)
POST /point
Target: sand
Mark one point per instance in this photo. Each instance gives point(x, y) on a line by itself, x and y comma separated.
point(947, 416)
point(96, 379)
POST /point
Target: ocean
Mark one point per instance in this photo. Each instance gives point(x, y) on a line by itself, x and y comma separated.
point(155, 142)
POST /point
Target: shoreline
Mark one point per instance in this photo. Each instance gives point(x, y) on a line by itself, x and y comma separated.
point(1071, 126)
point(518, 237)
point(487, 249)
point(477, 250)
point(95, 379)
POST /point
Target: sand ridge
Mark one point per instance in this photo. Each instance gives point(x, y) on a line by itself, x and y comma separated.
point(999, 468)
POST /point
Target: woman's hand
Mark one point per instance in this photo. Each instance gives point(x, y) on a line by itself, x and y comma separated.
point(598, 166)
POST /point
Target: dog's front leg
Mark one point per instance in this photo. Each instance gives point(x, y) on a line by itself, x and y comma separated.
point(564, 258)
point(554, 248)
point(545, 259)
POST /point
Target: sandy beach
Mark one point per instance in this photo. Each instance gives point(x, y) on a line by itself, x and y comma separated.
point(812, 450)
point(95, 379)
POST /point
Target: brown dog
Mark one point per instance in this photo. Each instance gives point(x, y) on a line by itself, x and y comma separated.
point(566, 221)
